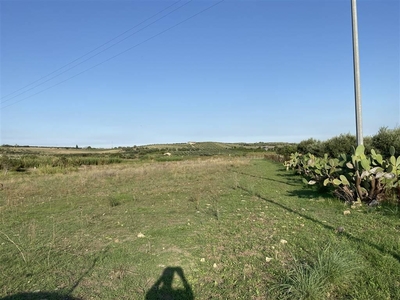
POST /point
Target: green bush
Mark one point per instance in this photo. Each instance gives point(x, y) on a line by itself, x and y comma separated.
point(24, 162)
point(169, 158)
point(274, 157)
point(339, 144)
point(335, 146)
point(385, 138)
point(5, 162)
point(368, 144)
point(11, 163)
point(312, 146)
point(286, 150)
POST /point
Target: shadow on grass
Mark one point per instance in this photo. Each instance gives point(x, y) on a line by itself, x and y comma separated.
point(305, 193)
point(310, 193)
point(293, 180)
point(163, 289)
point(66, 295)
point(291, 176)
point(39, 296)
point(269, 179)
point(345, 234)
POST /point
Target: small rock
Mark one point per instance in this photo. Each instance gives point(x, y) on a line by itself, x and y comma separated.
point(373, 203)
point(347, 212)
point(340, 229)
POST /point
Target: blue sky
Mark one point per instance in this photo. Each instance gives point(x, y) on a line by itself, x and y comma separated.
point(240, 71)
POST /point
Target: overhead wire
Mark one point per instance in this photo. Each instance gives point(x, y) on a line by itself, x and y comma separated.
point(120, 53)
point(90, 57)
point(91, 51)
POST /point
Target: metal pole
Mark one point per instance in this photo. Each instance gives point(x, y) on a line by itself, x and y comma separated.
point(356, 63)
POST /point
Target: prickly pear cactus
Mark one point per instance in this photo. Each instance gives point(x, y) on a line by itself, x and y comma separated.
point(355, 177)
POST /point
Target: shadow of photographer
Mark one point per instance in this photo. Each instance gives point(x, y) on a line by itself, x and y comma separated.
point(162, 289)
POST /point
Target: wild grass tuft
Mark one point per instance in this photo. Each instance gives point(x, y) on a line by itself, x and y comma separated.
point(303, 282)
point(12, 242)
point(331, 270)
point(195, 198)
point(391, 208)
point(114, 201)
point(338, 266)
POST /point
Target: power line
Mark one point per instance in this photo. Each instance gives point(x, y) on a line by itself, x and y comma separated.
point(112, 57)
point(109, 41)
point(90, 57)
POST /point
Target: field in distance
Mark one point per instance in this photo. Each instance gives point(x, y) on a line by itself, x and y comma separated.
point(23, 158)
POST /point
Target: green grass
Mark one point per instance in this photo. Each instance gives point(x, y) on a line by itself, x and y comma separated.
point(117, 231)
point(333, 270)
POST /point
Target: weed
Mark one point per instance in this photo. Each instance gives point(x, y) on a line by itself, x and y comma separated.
point(391, 209)
point(12, 242)
point(236, 182)
point(331, 270)
point(195, 198)
point(304, 282)
point(337, 265)
point(113, 201)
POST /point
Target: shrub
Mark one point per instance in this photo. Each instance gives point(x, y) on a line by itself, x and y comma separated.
point(274, 157)
point(61, 162)
point(312, 146)
point(368, 144)
point(385, 138)
point(286, 150)
point(339, 144)
point(335, 146)
point(5, 162)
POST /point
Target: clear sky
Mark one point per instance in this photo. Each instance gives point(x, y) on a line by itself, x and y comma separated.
point(240, 71)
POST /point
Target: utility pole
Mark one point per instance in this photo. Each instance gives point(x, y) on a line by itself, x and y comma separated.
point(356, 64)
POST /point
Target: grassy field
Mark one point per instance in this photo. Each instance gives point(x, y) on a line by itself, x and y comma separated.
point(57, 150)
point(205, 147)
point(209, 228)
point(25, 158)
